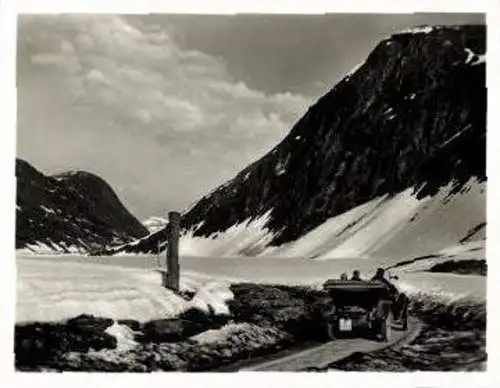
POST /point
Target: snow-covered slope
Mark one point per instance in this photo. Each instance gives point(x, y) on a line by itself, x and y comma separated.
point(73, 212)
point(392, 227)
point(390, 162)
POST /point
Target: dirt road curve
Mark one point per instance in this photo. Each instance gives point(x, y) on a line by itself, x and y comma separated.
point(325, 354)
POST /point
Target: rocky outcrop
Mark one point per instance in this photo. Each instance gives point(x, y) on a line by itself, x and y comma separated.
point(38, 344)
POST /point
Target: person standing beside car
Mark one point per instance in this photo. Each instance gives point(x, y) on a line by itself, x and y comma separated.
point(400, 305)
point(380, 276)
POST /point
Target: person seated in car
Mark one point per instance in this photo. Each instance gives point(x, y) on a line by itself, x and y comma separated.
point(356, 275)
point(343, 276)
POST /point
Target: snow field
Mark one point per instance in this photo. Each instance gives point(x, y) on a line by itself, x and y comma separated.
point(251, 237)
point(54, 291)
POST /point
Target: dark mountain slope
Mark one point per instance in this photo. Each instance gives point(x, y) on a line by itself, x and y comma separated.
point(76, 209)
point(413, 115)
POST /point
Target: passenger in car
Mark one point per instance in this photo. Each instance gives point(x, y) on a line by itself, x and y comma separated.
point(356, 275)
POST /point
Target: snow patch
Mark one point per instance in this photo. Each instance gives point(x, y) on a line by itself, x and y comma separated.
point(354, 69)
point(219, 335)
point(445, 286)
point(124, 336)
point(481, 58)
point(281, 165)
point(470, 251)
point(418, 30)
point(281, 171)
point(244, 238)
point(40, 248)
point(47, 210)
point(322, 238)
point(124, 344)
point(461, 249)
point(213, 296)
point(456, 135)
point(383, 223)
point(198, 226)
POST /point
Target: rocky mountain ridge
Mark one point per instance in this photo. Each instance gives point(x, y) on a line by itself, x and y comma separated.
point(413, 115)
point(71, 212)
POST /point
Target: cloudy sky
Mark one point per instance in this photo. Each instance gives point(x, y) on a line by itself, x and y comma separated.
point(166, 107)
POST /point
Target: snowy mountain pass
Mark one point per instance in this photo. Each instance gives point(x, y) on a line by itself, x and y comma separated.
point(129, 287)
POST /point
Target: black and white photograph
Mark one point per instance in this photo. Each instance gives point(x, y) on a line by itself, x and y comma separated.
point(251, 192)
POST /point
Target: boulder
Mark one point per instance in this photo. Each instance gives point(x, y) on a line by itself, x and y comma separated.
point(89, 322)
point(132, 324)
point(169, 330)
point(41, 343)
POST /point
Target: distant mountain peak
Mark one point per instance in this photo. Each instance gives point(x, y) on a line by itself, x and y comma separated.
point(154, 223)
point(75, 211)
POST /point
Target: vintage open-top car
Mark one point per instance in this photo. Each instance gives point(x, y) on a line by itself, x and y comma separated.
point(362, 309)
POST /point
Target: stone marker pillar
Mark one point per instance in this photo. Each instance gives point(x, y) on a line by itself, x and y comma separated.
point(173, 233)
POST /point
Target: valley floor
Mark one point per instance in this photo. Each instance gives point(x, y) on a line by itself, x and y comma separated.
point(54, 289)
point(58, 287)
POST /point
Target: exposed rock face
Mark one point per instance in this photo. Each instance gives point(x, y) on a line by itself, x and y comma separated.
point(413, 115)
point(68, 212)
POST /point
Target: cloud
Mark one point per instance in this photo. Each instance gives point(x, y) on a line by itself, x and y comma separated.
point(145, 75)
point(133, 79)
